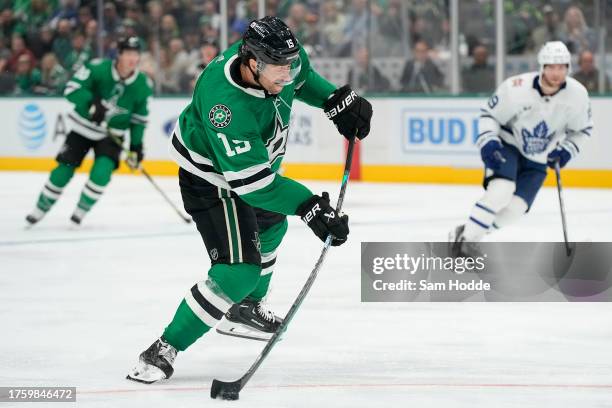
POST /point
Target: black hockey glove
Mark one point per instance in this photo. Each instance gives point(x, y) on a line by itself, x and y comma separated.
point(99, 111)
point(134, 157)
point(350, 112)
point(324, 220)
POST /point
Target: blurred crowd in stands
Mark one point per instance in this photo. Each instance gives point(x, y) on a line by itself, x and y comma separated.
point(43, 42)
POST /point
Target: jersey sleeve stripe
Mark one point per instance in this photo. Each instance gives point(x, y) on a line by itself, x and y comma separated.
point(251, 179)
point(71, 86)
point(571, 147)
point(183, 151)
point(193, 155)
point(258, 185)
point(183, 159)
point(246, 173)
point(481, 134)
point(86, 128)
point(575, 145)
point(86, 123)
point(483, 115)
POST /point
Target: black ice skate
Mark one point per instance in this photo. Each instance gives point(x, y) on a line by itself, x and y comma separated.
point(36, 215)
point(155, 363)
point(77, 216)
point(459, 247)
point(250, 319)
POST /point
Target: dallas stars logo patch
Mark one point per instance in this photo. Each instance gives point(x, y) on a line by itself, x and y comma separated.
point(220, 116)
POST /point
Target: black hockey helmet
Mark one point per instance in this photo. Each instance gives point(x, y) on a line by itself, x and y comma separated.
point(128, 43)
point(269, 40)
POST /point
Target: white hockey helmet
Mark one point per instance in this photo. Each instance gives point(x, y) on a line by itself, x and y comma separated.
point(554, 52)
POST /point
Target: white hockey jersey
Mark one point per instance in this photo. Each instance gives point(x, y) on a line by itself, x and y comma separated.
point(519, 114)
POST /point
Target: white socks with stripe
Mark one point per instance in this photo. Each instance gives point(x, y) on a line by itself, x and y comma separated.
point(510, 213)
point(498, 195)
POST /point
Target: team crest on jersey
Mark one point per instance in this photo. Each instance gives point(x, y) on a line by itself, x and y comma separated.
point(277, 144)
point(536, 142)
point(220, 116)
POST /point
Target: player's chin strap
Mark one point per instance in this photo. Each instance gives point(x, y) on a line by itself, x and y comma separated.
point(256, 76)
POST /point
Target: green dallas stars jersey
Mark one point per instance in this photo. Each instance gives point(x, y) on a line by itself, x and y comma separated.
point(235, 137)
point(126, 101)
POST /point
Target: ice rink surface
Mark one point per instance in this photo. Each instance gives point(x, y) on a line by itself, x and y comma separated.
point(78, 306)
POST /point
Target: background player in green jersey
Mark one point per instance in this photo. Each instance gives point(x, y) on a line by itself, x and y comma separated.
point(110, 98)
point(229, 142)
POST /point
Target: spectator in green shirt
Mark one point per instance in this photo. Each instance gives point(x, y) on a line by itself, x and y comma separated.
point(34, 16)
point(80, 53)
point(53, 76)
point(62, 44)
point(26, 75)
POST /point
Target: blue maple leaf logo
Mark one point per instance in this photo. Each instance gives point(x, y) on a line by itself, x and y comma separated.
point(537, 141)
point(525, 133)
point(541, 130)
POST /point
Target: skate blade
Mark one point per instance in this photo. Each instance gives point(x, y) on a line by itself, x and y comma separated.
point(73, 226)
point(146, 374)
point(240, 330)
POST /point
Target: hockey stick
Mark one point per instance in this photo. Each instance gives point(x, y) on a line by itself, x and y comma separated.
point(562, 207)
point(231, 390)
point(155, 185)
point(163, 194)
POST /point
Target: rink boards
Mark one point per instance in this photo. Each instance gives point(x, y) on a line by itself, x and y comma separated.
point(417, 139)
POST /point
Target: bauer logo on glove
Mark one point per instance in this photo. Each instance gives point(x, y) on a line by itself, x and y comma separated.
point(344, 104)
point(350, 112)
point(321, 218)
point(309, 216)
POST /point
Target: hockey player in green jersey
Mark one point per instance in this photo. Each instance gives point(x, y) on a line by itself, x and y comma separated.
point(229, 142)
point(110, 98)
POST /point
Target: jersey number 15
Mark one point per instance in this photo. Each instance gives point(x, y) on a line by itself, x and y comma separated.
point(240, 146)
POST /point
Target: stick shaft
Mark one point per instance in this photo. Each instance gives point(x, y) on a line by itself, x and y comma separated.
point(562, 207)
point(155, 185)
point(309, 282)
point(163, 194)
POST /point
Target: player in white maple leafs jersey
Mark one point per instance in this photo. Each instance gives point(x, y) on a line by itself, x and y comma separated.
point(533, 120)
